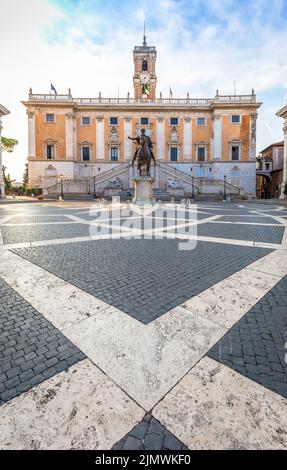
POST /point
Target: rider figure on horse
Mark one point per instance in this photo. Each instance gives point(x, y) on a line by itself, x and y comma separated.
point(140, 140)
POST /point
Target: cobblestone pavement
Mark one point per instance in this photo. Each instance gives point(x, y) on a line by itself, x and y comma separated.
point(32, 233)
point(256, 346)
point(149, 435)
point(242, 232)
point(156, 278)
point(250, 218)
point(31, 348)
point(221, 382)
point(36, 219)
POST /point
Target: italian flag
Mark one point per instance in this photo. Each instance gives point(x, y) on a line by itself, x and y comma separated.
point(146, 90)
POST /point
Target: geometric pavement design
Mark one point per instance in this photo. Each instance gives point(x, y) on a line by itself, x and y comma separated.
point(256, 345)
point(33, 352)
point(31, 348)
point(143, 278)
point(149, 434)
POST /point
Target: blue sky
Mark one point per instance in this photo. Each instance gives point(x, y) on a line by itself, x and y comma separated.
point(87, 45)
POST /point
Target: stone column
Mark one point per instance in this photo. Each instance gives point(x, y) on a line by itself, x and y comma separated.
point(284, 181)
point(127, 142)
point(70, 137)
point(100, 139)
point(217, 137)
point(160, 140)
point(2, 185)
point(187, 139)
point(31, 135)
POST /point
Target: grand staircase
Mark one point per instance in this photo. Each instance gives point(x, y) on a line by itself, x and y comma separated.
point(200, 188)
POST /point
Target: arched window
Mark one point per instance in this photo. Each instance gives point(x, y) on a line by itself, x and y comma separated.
point(144, 66)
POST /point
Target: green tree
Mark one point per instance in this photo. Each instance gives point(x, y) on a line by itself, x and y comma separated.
point(8, 144)
point(25, 177)
point(7, 179)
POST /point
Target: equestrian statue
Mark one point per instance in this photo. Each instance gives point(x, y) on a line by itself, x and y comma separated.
point(144, 153)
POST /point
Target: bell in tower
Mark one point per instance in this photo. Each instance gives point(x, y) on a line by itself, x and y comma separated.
point(144, 71)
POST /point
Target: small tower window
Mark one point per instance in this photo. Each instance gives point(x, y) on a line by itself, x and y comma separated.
point(144, 66)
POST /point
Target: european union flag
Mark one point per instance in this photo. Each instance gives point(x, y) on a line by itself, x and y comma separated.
point(53, 89)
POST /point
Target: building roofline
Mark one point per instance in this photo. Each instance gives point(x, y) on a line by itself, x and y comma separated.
point(282, 112)
point(275, 144)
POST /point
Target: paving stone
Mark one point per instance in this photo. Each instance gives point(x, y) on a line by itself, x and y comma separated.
point(172, 276)
point(267, 365)
point(27, 367)
point(132, 443)
point(149, 434)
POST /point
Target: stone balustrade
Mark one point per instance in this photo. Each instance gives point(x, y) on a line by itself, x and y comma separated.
point(143, 102)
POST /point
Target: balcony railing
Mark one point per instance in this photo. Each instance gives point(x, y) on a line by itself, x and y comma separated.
point(143, 102)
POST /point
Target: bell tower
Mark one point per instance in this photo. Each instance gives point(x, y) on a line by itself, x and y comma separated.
point(144, 71)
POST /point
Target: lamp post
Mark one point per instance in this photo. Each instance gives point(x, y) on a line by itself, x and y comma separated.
point(224, 189)
point(192, 194)
point(94, 181)
point(62, 188)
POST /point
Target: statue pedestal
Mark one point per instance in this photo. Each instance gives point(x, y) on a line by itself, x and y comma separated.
point(143, 191)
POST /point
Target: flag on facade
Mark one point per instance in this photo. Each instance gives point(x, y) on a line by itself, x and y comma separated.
point(146, 90)
point(53, 89)
point(170, 92)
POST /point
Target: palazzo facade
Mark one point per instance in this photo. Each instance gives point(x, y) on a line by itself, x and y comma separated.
point(85, 139)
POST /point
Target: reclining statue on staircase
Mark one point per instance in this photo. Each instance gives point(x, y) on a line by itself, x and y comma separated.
point(115, 184)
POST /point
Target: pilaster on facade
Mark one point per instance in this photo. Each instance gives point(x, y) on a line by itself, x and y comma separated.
point(100, 139)
point(284, 181)
point(252, 137)
point(127, 141)
point(31, 134)
point(160, 138)
point(187, 139)
point(283, 114)
point(70, 137)
point(217, 137)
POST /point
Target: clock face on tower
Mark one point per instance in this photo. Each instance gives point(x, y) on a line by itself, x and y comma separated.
point(144, 77)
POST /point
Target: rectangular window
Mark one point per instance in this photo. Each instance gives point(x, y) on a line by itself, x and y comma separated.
point(114, 154)
point(86, 121)
point(86, 154)
point(235, 152)
point(235, 118)
point(113, 121)
point(50, 152)
point(201, 121)
point(173, 154)
point(50, 117)
point(144, 121)
point(201, 154)
point(174, 121)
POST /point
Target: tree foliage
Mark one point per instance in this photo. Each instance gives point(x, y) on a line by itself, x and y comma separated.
point(25, 176)
point(7, 179)
point(8, 144)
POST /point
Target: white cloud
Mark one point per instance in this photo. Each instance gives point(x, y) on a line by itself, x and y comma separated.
point(93, 53)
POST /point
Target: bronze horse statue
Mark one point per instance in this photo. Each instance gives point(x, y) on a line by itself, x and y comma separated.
point(144, 153)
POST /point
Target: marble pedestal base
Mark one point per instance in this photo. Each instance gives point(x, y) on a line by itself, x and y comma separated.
point(143, 190)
